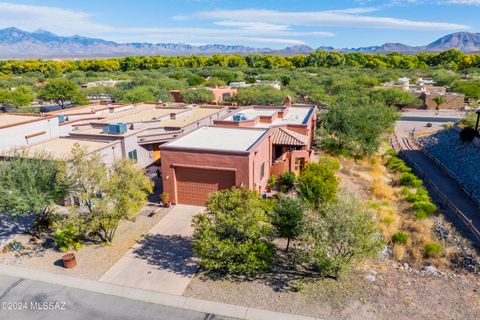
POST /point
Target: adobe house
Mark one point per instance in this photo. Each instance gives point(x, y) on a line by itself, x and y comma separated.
point(213, 158)
point(219, 94)
point(293, 131)
point(241, 149)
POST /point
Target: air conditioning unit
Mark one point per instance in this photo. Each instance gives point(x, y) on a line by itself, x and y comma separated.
point(61, 118)
point(115, 128)
point(239, 117)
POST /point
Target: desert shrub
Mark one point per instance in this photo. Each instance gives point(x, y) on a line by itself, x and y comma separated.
point(388, 220)
point(233, 235)
point(399, 252)
point(330, 162)
point(287, 218)
point(467, 134)
point(423, 209)
point(68, 237)
point(421, 194)
point(338, 235)
point(317, 184)
point(286, 181)
point(400, 237)
point(397, 164)
point(272, 181)
point(433, 249)
point(409, 179)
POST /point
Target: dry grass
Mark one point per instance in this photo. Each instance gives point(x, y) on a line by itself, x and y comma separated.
point(393, 212)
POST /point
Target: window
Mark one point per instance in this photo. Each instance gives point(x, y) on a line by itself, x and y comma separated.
point(133, 155)
point(262, 171)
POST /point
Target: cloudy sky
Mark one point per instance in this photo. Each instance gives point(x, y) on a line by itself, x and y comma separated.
point(259, 23)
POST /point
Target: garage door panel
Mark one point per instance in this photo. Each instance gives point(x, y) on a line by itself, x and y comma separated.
point(194, 185)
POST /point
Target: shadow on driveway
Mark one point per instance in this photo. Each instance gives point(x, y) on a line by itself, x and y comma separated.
point(168, 252)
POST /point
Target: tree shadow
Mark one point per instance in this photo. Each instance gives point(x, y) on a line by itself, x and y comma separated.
point(172, 253)
point(10, 227)
point(283, 277)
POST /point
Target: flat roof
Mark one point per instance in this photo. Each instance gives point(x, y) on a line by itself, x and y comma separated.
point(9, 119)
point(219, 138)
point(253, 112)
point(196, 115)
point(296, 115)
point(138, 115)
point(60, 148)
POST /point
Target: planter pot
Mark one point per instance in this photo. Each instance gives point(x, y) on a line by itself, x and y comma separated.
point(167, 204)
point(69, 260)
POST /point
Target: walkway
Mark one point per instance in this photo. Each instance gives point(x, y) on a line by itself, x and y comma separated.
point(162, 261)
point(447, 185)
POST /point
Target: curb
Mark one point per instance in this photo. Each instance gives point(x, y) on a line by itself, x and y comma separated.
point(180, 302)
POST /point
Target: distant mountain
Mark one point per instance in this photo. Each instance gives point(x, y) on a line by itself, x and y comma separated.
point(464, 41)
point(19, 44)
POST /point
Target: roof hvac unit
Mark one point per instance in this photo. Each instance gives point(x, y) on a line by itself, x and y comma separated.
point(61, 118)
point(239, 117)
point(115, 128)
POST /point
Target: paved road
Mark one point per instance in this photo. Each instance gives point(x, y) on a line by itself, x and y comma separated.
point(73, 304)
point(162, 260)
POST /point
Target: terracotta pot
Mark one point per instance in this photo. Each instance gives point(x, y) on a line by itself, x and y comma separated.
point(69, 260)
point(167, 204)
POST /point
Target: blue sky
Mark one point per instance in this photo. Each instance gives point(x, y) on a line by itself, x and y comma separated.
point(260, 23)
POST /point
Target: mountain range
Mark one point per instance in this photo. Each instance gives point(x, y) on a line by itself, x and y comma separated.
point(19, 44)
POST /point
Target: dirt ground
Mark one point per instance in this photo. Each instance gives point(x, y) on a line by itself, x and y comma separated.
point(380, 289)
point(394, 294)
point(93, 259)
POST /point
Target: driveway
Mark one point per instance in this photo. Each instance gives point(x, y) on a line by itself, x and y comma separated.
point(162, 260)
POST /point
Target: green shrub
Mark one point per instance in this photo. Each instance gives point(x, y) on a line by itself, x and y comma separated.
point(397, 164)
point(400, 237)
point(233, 235)
point(317, 184)
point(433, 249)
point(272, 181)
point(387, 220)
point(287, 181)
point(338, 235)
point(420, 195)
point(409, 179)
point(423, 209)
point(68, 237)
point(330, 162)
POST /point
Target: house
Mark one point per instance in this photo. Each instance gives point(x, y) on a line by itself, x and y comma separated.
point(218, 93)
point(117, 130)
point(242, 149)
point(213, 158)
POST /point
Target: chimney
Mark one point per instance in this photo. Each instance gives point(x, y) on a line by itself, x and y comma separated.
point(287, 102)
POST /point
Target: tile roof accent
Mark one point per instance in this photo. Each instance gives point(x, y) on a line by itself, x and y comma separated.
point(287, 137)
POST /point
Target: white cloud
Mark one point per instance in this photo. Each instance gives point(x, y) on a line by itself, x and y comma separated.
point(67, 22)
point(342, 18)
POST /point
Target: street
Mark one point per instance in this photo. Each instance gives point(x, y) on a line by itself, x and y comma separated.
point(31, 300)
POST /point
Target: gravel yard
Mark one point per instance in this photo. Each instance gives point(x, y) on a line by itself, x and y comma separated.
point(394, 293)
point(93, 260)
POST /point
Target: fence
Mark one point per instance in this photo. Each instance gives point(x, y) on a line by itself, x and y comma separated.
point(430, 185)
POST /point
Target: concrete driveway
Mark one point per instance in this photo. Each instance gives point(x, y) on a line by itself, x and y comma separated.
point(162, 260)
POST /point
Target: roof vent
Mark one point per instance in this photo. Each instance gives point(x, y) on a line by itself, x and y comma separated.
point(239, 117)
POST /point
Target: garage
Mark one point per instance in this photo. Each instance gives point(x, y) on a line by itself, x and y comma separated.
point(194, 185)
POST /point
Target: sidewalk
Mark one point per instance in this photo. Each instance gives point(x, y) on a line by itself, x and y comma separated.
point(180, 302)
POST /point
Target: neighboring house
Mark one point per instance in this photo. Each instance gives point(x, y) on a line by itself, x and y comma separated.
point(453, 101)
point(242, 149)
point(102, 83)
point(118, 130)
point(218, 93)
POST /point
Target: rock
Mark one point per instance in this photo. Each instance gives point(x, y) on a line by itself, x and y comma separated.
point(370, 277)
point(430, 270)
